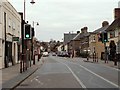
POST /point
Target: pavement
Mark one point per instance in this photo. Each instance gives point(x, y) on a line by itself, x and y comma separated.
point(11, 76)
point(109, 63)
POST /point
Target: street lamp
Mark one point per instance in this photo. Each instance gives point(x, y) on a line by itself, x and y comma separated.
point(32, 2)
point(23, 41)
point(34, 23)
point(32, 41)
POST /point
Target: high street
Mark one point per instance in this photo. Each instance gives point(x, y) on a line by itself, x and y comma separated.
point(60, 72)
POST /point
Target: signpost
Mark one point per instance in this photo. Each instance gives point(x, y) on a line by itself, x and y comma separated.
point(15, 38)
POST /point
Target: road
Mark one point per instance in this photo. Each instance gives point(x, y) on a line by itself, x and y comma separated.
point(60, 72)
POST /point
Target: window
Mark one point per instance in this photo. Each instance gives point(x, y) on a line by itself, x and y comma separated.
point(93, 38)
point(13, 25)
point(9, 22)
point(112, 34)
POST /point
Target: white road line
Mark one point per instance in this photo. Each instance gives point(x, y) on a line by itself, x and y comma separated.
point(99, 76)
point(90, 72)
point(79, 81)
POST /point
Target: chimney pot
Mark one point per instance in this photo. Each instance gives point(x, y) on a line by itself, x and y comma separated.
point(105, 23)
point(117, 13)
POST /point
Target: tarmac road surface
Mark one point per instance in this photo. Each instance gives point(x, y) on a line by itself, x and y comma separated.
point(59, 72)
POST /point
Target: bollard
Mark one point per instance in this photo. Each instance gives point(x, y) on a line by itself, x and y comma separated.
point(97, 57)
point(93, 57)
point(115, 61)
point(38, 57)
point(34, 60)
point(21, 59)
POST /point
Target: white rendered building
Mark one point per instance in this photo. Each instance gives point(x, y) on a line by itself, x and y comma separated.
point(10, 26)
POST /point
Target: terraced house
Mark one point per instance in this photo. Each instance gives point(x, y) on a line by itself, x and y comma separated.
point(10, 26)
point(95, 45)
point(114, 29)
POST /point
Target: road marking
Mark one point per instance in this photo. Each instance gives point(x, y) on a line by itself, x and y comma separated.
point(88, 71)
point(79, 81)
point(36, 79)
point(99, 76)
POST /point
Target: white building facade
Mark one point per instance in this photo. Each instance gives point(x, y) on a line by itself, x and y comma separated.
point(10, 26)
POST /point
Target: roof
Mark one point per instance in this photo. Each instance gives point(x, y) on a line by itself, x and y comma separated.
point(68, 37)
point(84, 35)
point(81, 35)
point(76, 37)
point(102, 29)
point(115, 23)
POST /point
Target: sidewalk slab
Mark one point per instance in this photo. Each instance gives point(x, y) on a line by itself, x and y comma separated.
point(110, 63)
point(12, 83)
point(12, 76)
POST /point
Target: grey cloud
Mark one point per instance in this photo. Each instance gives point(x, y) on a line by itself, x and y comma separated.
point(59, 16)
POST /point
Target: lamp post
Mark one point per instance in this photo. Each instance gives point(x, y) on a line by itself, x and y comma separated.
point(33, 44)
point(32, 2)
point(34, 23)
point(23, 41)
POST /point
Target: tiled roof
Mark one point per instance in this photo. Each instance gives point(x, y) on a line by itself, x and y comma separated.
point(102, 29)
point(68, 37)
point(76, 37)
point(84, 35)
point(115, 23)
point(81, 35)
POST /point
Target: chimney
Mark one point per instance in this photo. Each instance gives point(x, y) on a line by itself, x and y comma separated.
point(84, 30)
point(105, 23)
point(117, 13)
point(78, 32)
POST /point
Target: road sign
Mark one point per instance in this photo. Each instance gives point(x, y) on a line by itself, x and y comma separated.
point(15, 38)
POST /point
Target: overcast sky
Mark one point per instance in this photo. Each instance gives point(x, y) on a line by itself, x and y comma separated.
point(57, 17)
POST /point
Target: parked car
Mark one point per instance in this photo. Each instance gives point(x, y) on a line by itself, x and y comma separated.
point(63, 54)
point(45, 54)
point(53, 54)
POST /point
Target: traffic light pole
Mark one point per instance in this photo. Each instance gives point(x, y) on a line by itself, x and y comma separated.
point(105, 51)
point(104, 39)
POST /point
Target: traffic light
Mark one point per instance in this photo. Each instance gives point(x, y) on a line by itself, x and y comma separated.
point(27, 31)
point(33, 32)
point(105, 37)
